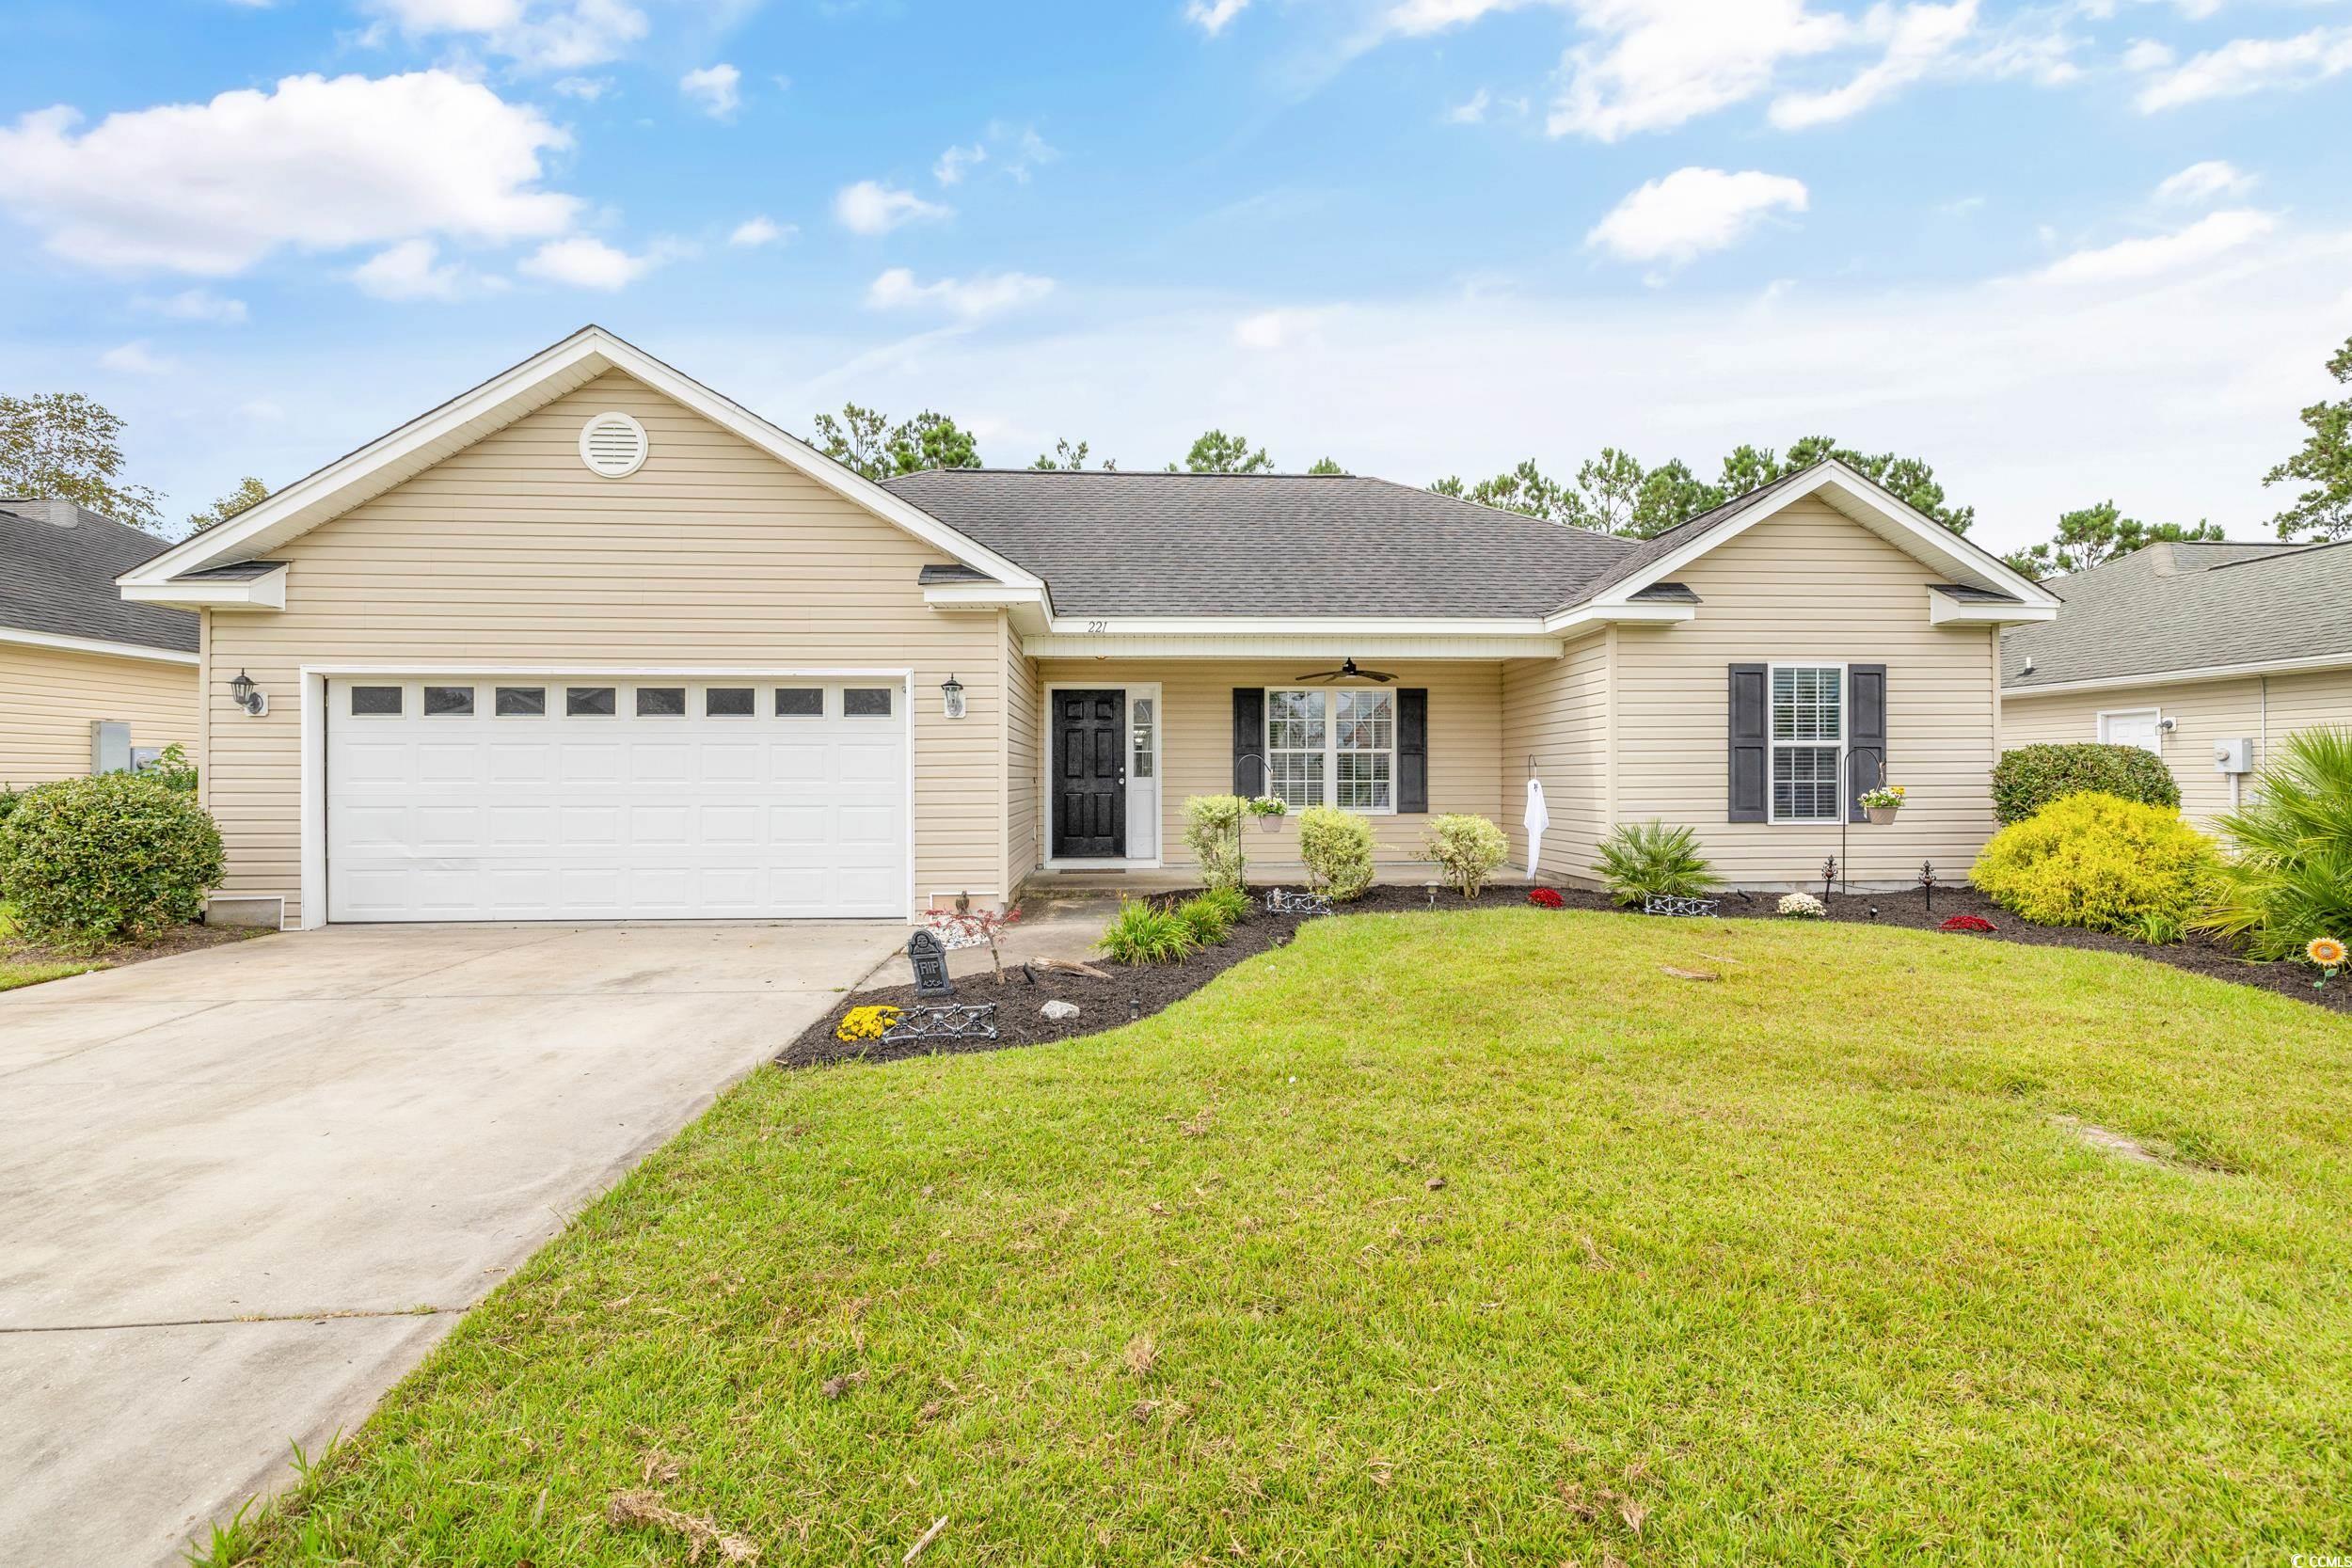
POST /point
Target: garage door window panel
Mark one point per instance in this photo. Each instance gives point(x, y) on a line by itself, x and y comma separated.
point(375, 701)
point(448, 701)
point(661, 702)
point(800, 702)
point(865, 702)
point(522, 702)
point(727, 702)
point(590, 701)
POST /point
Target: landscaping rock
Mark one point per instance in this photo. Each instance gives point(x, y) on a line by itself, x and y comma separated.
point(1057, 1010)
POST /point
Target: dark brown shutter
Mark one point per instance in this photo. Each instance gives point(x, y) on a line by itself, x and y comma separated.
point(1249, 769)
point(1750, 743)
point(1413, 749)
point(1866, 734)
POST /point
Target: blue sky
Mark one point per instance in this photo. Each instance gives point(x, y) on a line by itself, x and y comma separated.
point(2063, 251)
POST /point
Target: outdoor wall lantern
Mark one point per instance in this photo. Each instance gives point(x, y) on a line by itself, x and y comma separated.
point(248, 696)
point(951, 692)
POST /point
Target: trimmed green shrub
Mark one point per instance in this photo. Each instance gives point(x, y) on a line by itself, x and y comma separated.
point(2030, 778)
point(172, 769)
point(1212, 833)
point(113, 858)
point(1337, 846)
point(2095, 861)
point(1466, 849)
point(1206, 920)
point(9, 798)
point(1649, 859)
point(1143, 932)
point(2291, 877)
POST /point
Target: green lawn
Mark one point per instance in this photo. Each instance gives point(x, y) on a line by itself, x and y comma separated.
point(1458, 1239)
point(15, 973)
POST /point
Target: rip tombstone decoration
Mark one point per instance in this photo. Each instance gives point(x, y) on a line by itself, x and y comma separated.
point(929, 956)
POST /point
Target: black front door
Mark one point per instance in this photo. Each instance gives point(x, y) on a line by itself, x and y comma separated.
point(1089, 774)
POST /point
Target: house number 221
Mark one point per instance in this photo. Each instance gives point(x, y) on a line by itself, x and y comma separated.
point(1095, 627)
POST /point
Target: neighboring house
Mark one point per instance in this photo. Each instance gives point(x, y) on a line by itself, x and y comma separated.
point(2187, 649)
point(75, 656)
point(592, 642)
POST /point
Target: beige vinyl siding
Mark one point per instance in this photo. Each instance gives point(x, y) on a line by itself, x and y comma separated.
point(510, 551)
point(1556, 711)
point(2265, 709)
point(1023, 733)
point(49, 698)
point(1196, 747)
point(1808, 584)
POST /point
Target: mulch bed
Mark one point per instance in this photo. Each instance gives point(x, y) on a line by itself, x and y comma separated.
point(1130, 993)
point(179, 938)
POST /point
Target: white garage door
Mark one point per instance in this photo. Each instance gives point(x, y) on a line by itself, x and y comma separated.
point(564, 798)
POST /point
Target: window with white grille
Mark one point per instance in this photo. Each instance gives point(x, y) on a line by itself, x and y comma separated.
point(1808, 742)
point(1335, 748)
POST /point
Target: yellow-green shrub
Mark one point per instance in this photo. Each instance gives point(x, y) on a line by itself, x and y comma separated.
point(1336, 847)
point(2100, 862)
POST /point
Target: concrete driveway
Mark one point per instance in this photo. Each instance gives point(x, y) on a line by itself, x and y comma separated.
point(229, 1180)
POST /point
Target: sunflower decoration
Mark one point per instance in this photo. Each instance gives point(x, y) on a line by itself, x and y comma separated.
point(2328, 954)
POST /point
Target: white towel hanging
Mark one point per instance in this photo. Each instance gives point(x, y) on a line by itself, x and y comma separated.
point(1536, 820)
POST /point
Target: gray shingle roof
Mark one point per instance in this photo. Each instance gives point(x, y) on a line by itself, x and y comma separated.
point(58, 578)
point(1111, 543)
point(2177, 608)
point(235, 571)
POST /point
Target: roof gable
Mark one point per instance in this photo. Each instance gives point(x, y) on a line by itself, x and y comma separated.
point(402, 454)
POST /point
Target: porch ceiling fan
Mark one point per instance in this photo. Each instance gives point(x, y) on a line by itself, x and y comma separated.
point(1347, 672)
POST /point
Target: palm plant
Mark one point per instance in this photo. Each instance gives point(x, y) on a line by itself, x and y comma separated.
point(2290, 878)
point(1649, 859)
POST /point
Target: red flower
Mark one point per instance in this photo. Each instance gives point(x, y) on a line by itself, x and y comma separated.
point(1544, 897)
point(1967, 923)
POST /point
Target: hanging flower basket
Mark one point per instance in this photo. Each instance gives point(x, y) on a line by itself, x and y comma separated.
point(1269, 810)
point(1880, 805)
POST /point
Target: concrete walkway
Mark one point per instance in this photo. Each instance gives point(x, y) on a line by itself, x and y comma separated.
point(229, 1180)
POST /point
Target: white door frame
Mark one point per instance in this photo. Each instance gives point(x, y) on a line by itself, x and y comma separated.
point(2154, 713)
point(1127, 752)
point(316, 677)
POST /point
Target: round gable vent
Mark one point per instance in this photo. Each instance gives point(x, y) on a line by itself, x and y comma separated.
point(612, 445)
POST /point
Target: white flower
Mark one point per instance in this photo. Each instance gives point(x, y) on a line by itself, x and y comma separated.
point(1801, 906)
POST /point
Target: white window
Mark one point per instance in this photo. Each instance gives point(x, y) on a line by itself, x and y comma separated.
point(1332, 747)
point(1808, 742)
point(1140, 719)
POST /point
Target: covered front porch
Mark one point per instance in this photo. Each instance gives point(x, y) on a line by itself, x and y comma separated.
point(1124, 744)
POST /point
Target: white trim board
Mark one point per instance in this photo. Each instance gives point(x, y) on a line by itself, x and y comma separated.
point(536, 381)
point(313, 774)
point(96, 645)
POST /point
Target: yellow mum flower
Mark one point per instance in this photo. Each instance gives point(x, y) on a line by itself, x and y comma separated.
point(865, 1024)
point(2327, 952)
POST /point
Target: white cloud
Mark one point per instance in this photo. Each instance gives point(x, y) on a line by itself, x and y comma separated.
point(410, 270)
point(2214, 234)
point(870, 207)
point(1917, 39)
point(136, 358)
point(1659, 63)
point(1419, 18)
point(1019, 150)
point(586, 88)
point(1692, 211)
point(2148, 54)
point(752, 232)
point(196, 304)
point(583, 262)
point(1470, 111)
point(1211, 16)
point(949, 169)
point(967, 298)
point(539, 34)
point(717, 89)
point(2204, 182)
point(312, 165)
point(2251, 64)
point(1266, 331)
